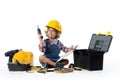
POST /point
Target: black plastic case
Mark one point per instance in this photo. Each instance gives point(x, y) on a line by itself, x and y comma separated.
point(18, 67)
point(92, 58)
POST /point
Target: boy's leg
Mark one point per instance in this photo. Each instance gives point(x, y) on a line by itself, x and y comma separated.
point(43, 59)
point(46, 60)
point(64, 62)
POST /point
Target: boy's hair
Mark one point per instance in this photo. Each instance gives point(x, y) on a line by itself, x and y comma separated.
point(57, 33)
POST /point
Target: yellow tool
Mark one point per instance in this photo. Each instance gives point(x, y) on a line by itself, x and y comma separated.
point(99, 33)
point(23, 57)
point(64, 70)
point(44, 70)
point(34, 68)
point(108, 33)
point(78, 68)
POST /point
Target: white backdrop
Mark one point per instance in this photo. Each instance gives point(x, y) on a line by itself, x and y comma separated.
point(79, 20)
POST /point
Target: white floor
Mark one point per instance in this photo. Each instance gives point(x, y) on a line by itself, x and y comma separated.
point(110, 71)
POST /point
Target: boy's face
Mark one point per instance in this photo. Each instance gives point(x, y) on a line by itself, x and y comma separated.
point(51, 33)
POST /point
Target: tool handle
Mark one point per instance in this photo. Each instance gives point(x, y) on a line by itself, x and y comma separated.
point(39, 31)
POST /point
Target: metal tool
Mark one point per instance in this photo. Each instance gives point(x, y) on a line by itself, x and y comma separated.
point(39, 31)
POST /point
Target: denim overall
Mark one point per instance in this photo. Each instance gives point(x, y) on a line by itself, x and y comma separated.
point(52, 52)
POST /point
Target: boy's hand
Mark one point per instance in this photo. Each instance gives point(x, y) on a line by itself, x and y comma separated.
point(40, 37)
point(70, 48)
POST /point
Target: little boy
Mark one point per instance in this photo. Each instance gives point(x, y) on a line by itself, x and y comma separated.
point(51, 46)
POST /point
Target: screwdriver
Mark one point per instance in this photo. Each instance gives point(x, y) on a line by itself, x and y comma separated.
point(39, 31)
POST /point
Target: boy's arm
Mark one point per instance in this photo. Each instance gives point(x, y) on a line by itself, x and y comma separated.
point(41, 44)
point(64, 48)
point(40, 41)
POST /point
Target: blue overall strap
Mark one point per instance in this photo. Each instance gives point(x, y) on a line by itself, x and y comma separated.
point(52, 51)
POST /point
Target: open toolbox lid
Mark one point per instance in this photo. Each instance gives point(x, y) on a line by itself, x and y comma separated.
point(100, 42)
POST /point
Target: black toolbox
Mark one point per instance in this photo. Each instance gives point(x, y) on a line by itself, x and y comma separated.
point(92, 58)
point(18, 67)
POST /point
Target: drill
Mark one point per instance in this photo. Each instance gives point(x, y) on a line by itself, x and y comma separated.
point(39, 31)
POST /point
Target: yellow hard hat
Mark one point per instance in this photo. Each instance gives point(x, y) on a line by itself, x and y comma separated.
point(55, 25)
